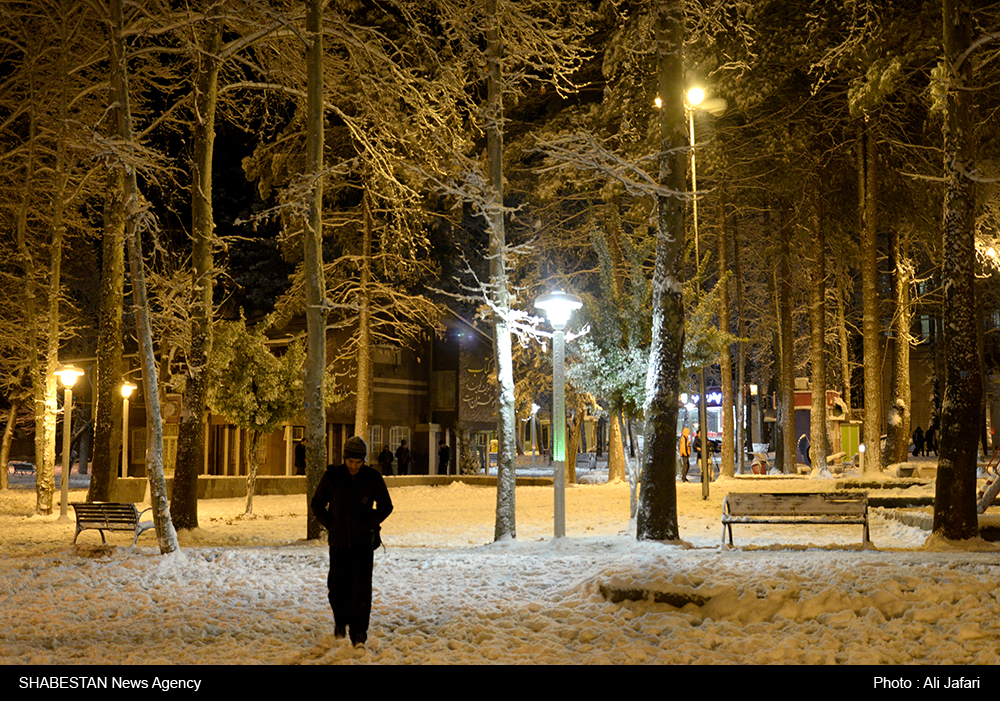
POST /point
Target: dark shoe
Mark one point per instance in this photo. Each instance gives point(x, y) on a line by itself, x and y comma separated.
point(339, 632)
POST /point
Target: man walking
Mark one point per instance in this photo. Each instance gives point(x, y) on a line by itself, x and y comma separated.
point(351, 502)
point(403, 458)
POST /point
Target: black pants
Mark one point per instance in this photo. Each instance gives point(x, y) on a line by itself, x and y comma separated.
point(350, 585)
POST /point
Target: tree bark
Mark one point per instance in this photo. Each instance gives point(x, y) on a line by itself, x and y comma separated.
point(8, 437)
point(191, 432)
point(656, 518)
point(166, 536)
point(871, 324)
point(362, 405)
point(786, 343)
point(505, 526)
point(728, 457)
point(39, 372)
point(818, 448)
point(316, 308)
point(897, 440)
point(845, 357)
point(955, 493)
point(616, 449)
point(107, 426)
point(741, 391)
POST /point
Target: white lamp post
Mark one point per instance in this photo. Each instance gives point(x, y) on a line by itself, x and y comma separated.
point(558, 306)
point(67, 375)
point(534, 436)
point(127, 389)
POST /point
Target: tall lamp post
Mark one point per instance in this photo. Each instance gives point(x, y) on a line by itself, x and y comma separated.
point(716, 106)
point(558, 306)
point(67, 375)
point(127, 389)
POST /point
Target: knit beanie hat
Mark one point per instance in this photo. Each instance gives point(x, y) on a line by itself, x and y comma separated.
point(355, 448)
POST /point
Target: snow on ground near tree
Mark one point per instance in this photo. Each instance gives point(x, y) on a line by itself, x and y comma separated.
point(250, 591)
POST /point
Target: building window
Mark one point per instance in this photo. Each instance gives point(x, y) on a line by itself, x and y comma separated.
point(374, 440)
point(398, 434)
point(138, 453)
point(170, 432)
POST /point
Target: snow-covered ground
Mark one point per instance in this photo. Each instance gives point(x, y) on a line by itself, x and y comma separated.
point(251, 591)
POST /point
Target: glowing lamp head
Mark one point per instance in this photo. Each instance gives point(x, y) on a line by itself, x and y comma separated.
point(127, 389)
point(68, 375)
point(558, 307)
point(695, 96)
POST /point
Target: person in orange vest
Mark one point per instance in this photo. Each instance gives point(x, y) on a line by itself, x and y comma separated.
point(685, 451)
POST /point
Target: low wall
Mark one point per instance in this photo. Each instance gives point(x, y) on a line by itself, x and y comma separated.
point(211, 487)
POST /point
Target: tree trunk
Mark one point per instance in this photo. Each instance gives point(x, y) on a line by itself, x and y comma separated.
point(955, 493)
point(728, 457)
point(166, 536)
point(786, 343)
point(40, 374)
point(871, 325)
point(468, 461)
point(362, 405)
point(8, 438)
point(191, 432)
point(656, 518)
point(252, 447)
point(505, 526)
point(897, 440)
point(107, 426)
point(573, 443)
point(616, 449)
point(316, 309)
point(108, 423)
point(741, 392)
point(818, 448)
point(845, 357)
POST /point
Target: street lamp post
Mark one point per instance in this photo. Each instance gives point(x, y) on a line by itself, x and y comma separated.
point(696, 100)
point(558, 307)
point(534, 435)
point(67, 375)
point(127, 389)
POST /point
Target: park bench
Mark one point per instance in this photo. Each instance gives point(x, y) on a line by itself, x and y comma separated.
point(22, 466)
point(110, 516)
point(834, 508)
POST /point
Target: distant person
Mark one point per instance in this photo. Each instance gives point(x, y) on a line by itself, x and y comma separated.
point(930, 439)
point(351, 502)
point(444, 457)
point(685, 452)
point(403, 458)
point(918, 442)
point(300, 458)
point(385, 460)
point(804, 449)
point(696, 446)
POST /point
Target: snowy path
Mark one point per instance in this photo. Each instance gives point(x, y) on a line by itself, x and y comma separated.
point(249, 592)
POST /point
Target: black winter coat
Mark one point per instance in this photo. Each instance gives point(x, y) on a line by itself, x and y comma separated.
point(350, 507)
